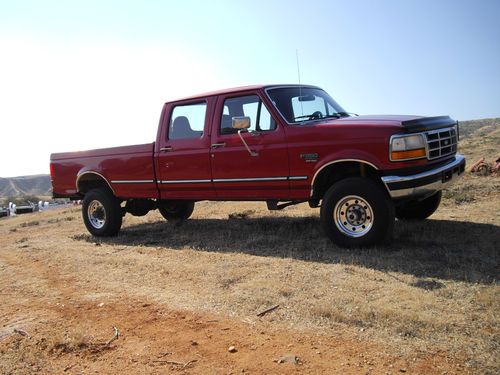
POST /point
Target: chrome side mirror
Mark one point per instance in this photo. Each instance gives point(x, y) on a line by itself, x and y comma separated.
point(241, 122)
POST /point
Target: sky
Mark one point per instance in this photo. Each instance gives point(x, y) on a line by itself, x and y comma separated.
point(77, 75)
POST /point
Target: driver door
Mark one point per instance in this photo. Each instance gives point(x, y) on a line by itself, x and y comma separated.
point(258, 174)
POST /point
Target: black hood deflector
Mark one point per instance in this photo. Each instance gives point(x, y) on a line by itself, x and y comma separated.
point(427, 123)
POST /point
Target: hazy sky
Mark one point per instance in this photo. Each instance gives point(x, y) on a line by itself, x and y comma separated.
point(77, 75)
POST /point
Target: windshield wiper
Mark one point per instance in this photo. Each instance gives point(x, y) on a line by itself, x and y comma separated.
point(334, 115)
point(305, 116)
point(317, 116)
point(340, 114)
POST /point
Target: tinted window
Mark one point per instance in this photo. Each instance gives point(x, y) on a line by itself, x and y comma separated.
point(249, 106)
point(187, 121)
point(302, 108)
point(299, 104)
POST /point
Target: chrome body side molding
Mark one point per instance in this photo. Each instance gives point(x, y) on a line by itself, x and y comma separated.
point(132, 181)
point(249, 179)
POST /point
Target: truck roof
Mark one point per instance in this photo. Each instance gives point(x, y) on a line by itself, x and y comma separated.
point(238, 89)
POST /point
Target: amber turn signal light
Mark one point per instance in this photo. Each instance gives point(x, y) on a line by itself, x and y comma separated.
point(405, 155)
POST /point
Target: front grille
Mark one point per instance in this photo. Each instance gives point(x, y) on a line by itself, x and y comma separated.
point(441, 142)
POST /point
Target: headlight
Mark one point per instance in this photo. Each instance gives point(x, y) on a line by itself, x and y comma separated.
point(407, 147)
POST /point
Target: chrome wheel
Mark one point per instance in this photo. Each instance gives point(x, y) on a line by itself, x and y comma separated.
point(96, 214)
point(353, 216)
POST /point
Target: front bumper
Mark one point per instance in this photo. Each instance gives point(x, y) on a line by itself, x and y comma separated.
point(425, 183)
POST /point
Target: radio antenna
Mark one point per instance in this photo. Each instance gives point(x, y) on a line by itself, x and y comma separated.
point(300, 86)
point(298, 64)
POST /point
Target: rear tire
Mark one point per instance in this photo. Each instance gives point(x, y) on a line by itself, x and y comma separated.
point(176, 210)
point(101, 213)
point(419, 210)
point(357, 212)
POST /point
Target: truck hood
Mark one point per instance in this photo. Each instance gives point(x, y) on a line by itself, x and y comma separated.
point(409, 124)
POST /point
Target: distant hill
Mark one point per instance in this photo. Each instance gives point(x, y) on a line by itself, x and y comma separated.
point(480, 139)
point(469, 128)
point(25, 185)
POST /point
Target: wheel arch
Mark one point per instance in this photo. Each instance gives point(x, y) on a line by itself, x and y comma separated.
point(337, 170)
point(89, 180)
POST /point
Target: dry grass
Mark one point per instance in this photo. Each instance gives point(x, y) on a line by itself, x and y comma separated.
point(434, 288)
point(479, 139)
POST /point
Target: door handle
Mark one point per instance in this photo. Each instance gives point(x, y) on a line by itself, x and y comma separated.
point(217, 145)
point(166, 149)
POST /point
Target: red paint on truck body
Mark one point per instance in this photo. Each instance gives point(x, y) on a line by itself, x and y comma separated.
point(126, 163)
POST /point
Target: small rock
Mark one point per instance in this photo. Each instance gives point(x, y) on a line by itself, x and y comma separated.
point(194, 343)
point(289, 358)
point(101, 304)
point(402, 370)
point(232, 349)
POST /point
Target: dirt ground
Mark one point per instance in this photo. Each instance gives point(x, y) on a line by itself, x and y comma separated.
point(179, 309)
point(57, 319)
point(68, 326)
point(181, 295)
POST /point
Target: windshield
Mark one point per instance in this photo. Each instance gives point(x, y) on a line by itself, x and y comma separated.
point(299, 104)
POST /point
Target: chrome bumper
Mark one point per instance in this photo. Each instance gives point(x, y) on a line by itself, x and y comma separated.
point(425, 183)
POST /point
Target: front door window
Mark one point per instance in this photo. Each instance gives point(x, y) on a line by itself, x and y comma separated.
point(249, 106)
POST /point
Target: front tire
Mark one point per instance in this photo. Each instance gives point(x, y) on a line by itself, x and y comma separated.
point(101, 213)
point(357, 212)
point(176, 210)
point(419, 210)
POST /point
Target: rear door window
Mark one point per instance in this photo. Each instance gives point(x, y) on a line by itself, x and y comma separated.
point(187, 121)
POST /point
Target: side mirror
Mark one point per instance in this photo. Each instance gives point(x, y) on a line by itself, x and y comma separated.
point(241, 122)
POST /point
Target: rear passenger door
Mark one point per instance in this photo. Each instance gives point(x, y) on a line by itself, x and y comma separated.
point(238, 173)
point(183, 159)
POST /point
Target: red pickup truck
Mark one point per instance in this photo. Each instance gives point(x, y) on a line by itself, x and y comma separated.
point(282, 144)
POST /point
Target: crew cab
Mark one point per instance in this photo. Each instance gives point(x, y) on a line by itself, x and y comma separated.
point(281, 144)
